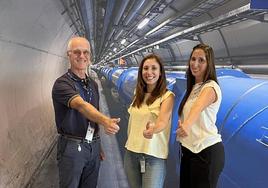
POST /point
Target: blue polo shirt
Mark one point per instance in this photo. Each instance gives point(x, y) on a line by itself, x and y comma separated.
point(70, 121)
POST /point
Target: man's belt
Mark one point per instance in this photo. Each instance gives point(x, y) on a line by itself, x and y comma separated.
point(80, 139)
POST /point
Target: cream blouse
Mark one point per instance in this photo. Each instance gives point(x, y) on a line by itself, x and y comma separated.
point(203, 133)
point(158, 145)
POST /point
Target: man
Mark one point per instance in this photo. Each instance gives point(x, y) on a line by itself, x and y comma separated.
point(76, 102)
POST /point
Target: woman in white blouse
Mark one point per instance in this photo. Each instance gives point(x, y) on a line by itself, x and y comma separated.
point(202, 149)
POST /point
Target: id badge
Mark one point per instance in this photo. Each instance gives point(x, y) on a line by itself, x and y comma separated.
point(142, 164)
point(90, 133)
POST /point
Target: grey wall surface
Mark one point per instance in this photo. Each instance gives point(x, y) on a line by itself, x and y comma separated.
point(33, 38)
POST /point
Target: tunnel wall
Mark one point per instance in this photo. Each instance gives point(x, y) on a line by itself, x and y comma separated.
point(33, 39)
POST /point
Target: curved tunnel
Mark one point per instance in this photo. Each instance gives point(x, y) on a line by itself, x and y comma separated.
point(33, 39)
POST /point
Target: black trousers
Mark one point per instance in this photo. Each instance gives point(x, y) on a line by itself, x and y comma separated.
point(202, 170)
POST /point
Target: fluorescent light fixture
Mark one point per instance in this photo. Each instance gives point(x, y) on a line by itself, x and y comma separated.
point(123, 41)
point(143, 23)
point(158, 27)
point(125, 48)
point(135, 41)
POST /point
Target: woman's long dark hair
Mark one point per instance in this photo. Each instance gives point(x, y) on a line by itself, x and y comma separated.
point(210, 72)
point(141, 87)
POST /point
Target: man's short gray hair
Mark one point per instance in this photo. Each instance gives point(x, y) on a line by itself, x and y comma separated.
point(69, 46)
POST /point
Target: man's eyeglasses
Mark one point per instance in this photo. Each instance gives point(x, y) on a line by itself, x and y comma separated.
point(79, 52)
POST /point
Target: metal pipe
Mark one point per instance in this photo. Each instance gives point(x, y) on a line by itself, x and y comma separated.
point(120, 12)
point(136, 8)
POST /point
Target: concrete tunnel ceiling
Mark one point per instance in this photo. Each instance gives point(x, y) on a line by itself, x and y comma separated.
point(173, 28)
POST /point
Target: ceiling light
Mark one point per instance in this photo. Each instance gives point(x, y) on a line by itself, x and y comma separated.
point(143, 23)
point(114, 49)
point(132, 43)
point(123, 41)
point(158, 27)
